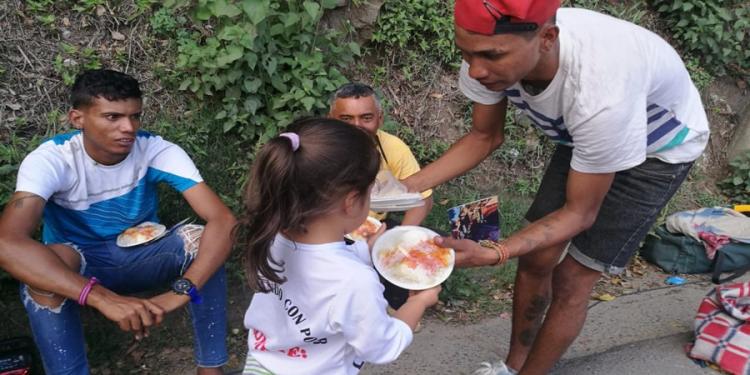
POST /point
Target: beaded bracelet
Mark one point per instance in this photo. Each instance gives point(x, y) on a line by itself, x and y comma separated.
point(86, 290)
point(500, 249)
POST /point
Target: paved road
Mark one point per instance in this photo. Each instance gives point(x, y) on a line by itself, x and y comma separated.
point(642, 333)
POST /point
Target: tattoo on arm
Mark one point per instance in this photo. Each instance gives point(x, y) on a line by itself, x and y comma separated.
point(18, 202)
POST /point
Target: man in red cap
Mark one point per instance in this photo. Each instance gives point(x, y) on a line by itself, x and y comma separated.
point(628, 122)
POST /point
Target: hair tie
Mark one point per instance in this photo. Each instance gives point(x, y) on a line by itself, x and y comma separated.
point(294, 138)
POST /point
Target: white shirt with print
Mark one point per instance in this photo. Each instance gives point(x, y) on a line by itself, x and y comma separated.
point(620, 94)
point(329, 317)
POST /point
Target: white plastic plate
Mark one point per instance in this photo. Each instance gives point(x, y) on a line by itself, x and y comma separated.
point(406, 257)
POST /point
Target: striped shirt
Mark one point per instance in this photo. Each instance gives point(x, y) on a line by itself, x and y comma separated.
point(88, 203)
point(620, 94)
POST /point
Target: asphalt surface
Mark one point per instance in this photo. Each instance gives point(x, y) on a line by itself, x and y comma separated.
point(641, 333)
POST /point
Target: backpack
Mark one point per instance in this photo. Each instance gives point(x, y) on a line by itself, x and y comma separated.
point(677, 253)
point(722, 328)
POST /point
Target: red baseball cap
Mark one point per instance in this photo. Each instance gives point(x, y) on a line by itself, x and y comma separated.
point(490, 17)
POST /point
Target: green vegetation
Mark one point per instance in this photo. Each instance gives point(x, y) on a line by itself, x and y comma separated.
point(421, 26)
point(73, 59)
point(716, 30)
point(12, 153)
point(737, 185)
point(244, 69)
point(266, 64)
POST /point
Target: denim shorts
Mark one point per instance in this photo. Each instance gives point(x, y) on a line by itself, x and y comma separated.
point(630, 208)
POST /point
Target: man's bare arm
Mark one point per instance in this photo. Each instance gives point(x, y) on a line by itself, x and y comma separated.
point(27, 259)
point(585, 193)
point(38, 266)
point(486, 135)
point(215, 243)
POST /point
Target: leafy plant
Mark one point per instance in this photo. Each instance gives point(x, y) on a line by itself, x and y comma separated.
point(39, 5)
point(633, 11)
point(737, 185)
point(423, 25)
point(72, 60)
point(164, 21)
point(87, 5)
point(266, 63)
point(12, 153)
point(716, 30)
point(701, 78)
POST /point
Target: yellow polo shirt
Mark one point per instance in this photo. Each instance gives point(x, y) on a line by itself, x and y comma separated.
point(396, 157)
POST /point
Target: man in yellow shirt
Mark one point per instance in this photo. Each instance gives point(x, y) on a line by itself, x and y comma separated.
point(358, 104)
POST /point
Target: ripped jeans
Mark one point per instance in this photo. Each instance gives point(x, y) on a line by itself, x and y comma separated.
point(58, 332)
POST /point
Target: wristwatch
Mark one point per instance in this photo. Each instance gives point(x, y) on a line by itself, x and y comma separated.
point(186, 287)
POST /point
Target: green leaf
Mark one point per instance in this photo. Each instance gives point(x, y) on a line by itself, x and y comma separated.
point(312, 9)
point(289, 20)
point(231, 53)
point(229, 125)
point(308, 102)
point(329, 4)
point(251, 105)
point(354, 47)
point(220, 8)
point(251, 85)
point(203, 13)
point(256, 10)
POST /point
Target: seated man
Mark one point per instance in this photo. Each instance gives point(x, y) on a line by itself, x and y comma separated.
point(87, 187)
point(358, 104)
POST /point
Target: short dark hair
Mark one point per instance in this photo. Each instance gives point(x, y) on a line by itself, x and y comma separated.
point(108, 84)
point(354, 90)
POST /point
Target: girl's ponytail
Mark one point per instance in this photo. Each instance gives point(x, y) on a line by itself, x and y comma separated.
point(296, 176)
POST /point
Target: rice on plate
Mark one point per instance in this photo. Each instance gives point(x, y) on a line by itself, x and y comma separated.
point(408, 257)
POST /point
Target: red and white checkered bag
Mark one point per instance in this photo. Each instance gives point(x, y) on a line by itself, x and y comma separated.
point(722, 328)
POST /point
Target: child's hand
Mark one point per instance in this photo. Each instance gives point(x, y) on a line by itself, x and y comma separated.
point(427, 297)
point(371, 238)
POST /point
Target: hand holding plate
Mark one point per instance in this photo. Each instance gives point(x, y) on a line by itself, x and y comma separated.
point(468, 252)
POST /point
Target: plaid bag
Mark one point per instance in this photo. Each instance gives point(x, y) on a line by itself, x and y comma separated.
point(722, 328)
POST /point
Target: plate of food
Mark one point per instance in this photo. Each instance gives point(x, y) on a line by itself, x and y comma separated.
point(408, 257)
point(368, 228)
point(140, 234)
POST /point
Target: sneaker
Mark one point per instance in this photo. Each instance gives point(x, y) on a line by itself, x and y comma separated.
point(497, 368)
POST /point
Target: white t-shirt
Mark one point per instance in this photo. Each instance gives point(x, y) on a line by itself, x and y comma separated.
point(620, 94)
point(88, 203)
point(329, 317)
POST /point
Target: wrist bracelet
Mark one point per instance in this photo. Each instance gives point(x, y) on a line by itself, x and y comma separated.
point(500, 249)
point(86, 290)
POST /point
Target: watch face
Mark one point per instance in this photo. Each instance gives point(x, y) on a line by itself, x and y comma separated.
point(182, 286)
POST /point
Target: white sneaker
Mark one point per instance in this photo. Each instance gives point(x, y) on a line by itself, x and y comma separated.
point(497, 368)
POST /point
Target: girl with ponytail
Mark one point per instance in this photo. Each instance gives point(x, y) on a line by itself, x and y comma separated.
point(318, 306)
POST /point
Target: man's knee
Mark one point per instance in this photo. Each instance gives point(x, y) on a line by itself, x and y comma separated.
point(541, 263)
point(572, 283)
point(72, 260)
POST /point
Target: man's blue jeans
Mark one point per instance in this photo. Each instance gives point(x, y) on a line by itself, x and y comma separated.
point(58, 332)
